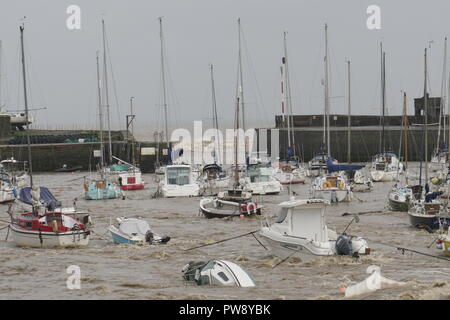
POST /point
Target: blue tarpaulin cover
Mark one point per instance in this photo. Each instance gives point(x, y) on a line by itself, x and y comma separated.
point(331, 167)
point(46, 195)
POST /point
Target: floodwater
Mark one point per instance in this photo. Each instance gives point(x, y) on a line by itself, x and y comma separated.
point(110, 271)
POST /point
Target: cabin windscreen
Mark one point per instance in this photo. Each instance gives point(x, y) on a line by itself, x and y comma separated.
point(178, 176)
point(282, 215)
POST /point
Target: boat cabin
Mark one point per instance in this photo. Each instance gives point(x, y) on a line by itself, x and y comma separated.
point(178, 175)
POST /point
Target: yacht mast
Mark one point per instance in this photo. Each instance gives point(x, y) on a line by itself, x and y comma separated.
point(327, 94)
point(236, 143)
point(349, 124)
point(25, 98)
point(214, 115)
point(100, 116)
point(163, 75)
point(288, 101)
point(405, 135)
point(241, 85)
point(426, 117)
point(105, 71)
point(383, 99)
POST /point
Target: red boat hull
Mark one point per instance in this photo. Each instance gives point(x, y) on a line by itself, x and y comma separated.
point(133, 187)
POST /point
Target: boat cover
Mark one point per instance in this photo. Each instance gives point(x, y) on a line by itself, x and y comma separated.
point(136, 226)
point(45, 195)
point(331, 167)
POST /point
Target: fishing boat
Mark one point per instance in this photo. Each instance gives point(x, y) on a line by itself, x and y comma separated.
point(213, 207)
point(259, 179)
point(300, 230)
point(179, 181)
point(134, 231)
point(101, 190)
point(217, 272)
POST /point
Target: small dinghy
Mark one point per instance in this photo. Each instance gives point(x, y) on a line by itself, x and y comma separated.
point(401, 198)
point(217, 272)
point(65, 168)
point(214, 207)
point(300, 230)
point(135, 231)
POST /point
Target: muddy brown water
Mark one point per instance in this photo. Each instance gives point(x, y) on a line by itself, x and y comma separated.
point(110, 271)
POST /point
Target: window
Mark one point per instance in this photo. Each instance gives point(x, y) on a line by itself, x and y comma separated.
point(178, 176)
point(259, 175)
point(282, 215)
point(223, 276)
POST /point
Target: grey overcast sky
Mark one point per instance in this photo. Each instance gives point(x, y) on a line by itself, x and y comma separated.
point(62, 70)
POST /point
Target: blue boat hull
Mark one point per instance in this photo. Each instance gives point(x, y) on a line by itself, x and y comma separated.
point(121, 240)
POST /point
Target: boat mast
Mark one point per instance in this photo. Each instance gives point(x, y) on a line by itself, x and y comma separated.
point(327, 98)
point(405, 135)
point(214, 115)
point(288, 101)
point(443, 95)
point(236, 143)
point(25, 98)
point(349, 124)
point(163, 75)
point(132, 131)
point(241, 86)
point(100, 116)
point(426, 117)
point(383, 99)
point(105, 71)
point(1, 74)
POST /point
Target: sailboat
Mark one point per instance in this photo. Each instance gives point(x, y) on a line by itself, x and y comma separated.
point(385, 165)
point(212, 175)
point(288, 170)
point(401, 197)
point(44, 225)
point(100, 189)
point(329, 186)
point(440, 154)
point(429, 211)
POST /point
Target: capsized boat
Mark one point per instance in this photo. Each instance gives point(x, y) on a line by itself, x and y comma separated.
point(213, 207)
point(217, 272)
point(300, 230)
point(179, 181)
point(260, 180)
point(134, 231)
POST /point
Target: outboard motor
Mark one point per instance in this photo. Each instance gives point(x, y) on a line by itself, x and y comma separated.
point(149, 237)
point(344, 245)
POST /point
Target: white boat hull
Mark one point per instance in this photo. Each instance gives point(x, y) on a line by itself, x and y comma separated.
point(332, 195)
point(383, 176)
point(187, 190)
point(35, 239)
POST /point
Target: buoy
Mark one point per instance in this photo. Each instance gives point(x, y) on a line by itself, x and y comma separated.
point(241, 216)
